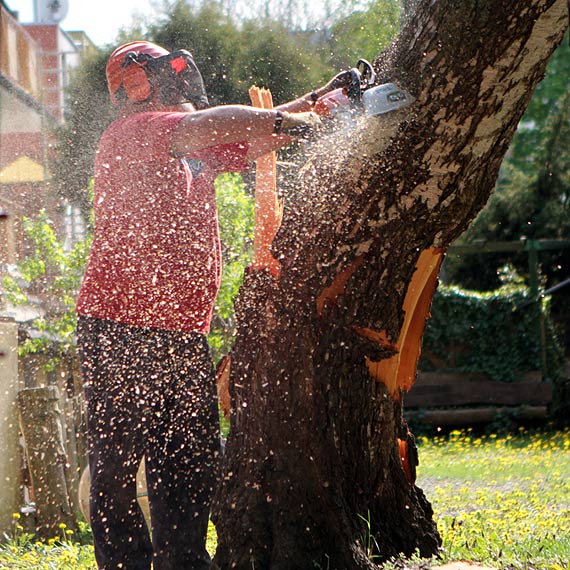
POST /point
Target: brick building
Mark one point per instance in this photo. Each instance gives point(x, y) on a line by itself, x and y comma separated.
point(36, 61)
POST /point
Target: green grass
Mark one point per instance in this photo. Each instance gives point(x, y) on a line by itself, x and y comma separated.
point(503, 501)
point(63, 552)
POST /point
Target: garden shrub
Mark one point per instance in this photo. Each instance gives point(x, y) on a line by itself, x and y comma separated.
point(496, 333)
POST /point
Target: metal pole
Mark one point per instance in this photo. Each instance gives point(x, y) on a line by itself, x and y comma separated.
point(533, 247)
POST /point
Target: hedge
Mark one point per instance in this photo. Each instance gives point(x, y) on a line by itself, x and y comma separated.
point(497, 333)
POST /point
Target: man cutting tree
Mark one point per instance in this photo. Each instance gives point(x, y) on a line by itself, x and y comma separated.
point(147, 298)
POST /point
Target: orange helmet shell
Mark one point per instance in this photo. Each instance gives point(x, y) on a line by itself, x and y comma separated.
point(133, 78)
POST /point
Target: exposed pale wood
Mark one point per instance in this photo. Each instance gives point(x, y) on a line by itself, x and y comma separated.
point(223, 384)
point(330, 294)
point(399, 371)
point(268, 211)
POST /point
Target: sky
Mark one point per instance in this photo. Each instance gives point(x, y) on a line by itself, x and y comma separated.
point(101, 20)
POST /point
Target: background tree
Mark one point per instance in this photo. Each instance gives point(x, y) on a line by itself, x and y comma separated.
point(230, 54)
point(364, 32)
point(89, 113)
point(532, 198)
point(212, 37)
point(317, 442)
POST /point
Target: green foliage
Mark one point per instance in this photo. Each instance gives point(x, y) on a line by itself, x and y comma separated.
point(532, 197)
point(50, 275)
point(283, 61)
point(236, 214)
point(496, 333)
point(233, 56)
point(365, 31)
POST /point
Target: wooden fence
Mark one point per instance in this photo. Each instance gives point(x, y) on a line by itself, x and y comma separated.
point(456, 399)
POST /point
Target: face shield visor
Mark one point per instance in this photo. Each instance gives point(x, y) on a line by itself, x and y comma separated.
point(177, 75)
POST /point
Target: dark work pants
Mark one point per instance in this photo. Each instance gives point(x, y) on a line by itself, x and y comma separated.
point(150, 393)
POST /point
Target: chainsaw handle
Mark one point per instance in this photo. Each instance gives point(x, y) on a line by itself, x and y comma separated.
point(346, 89)
point(362, 78)
point(354, 88)
point(367, 74)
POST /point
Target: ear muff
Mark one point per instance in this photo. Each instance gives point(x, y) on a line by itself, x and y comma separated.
point(128, 71)
point(136, 82)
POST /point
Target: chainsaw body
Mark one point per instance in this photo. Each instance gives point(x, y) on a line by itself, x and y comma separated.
point(362, 96)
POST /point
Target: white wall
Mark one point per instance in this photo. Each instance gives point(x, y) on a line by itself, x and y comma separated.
point(9, 431)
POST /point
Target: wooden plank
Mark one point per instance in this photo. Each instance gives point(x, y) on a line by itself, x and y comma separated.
point(479, 392)
point(508, 246)
point(441, 378)
point(444, 378)
point(487, 247)
point(467, 416)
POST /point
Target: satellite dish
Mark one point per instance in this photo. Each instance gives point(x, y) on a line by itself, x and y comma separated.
point(50, 11)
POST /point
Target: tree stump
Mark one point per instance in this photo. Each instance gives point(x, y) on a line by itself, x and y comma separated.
point(43, 431)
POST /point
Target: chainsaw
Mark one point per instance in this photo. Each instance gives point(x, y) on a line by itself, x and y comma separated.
point(361, 95)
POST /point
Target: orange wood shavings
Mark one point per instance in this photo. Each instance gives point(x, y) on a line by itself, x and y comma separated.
point(268, 211)
point(223, 384)
point(329, 294)
point(399, 371)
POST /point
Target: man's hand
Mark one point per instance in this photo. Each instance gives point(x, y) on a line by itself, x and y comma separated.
point(343, 79)
point(299, 124)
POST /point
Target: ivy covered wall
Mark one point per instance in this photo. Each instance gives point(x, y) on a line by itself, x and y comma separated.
point(502, 333)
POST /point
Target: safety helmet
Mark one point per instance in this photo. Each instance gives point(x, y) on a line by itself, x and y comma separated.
point(137, 67)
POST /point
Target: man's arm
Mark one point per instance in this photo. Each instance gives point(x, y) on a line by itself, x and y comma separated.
point(264, 129)
point(220, 125)
point(307, 101)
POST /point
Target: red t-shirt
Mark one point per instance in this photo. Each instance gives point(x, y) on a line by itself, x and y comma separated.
point(156, 257)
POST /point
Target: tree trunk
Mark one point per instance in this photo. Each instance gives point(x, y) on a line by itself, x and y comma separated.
point(320, 467)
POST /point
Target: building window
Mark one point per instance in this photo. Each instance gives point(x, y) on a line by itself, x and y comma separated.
point(74, 226)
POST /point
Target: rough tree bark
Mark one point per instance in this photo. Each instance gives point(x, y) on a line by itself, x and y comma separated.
point(316, 431)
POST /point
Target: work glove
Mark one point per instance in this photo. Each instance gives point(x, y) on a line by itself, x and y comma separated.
point(299, 124)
